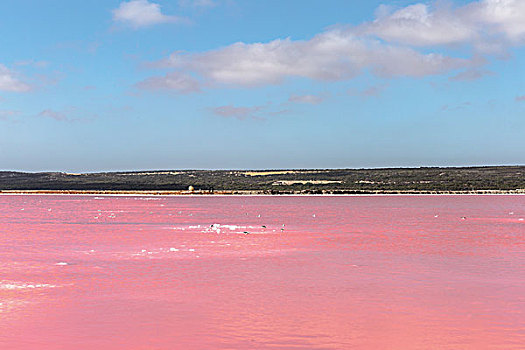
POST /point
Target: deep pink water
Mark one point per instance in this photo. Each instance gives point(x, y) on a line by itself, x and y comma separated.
point(385, 272)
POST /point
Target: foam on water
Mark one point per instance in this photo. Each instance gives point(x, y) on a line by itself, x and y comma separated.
point(13, 285)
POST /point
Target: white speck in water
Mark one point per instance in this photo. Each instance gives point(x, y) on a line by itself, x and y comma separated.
point(174, 250)
point(62, 263)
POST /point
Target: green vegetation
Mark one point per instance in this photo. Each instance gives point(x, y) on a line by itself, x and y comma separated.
point(500, 178)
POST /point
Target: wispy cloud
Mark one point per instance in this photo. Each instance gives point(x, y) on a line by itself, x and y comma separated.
point(240, 113)
point(307, 99)
point(49, 113)
point(10, 82)
point(456, 107)
point(32, 63)
point(371, 91)
point(89, 47)
point(198, 3)
point(175, 81)
point(141, 13)
point(70, 114)
point(520, 98)
point(257, 112)
point(7, 114)
point(280, 112)
point(471, 74)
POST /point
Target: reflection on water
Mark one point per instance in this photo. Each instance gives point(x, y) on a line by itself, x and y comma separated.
point(392, 272)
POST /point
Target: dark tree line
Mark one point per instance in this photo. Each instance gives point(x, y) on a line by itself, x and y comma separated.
point(321, 181)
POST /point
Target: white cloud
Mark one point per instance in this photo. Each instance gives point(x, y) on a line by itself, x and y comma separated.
point(141, 13)
point(9, 81)
point(479, 23)
point(334, 55)
point(419, 26)
point(506, 17)
point(403, 42)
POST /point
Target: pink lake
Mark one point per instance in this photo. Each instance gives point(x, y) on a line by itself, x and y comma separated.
point(344, 272)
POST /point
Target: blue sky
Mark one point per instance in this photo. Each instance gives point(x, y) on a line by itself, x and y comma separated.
point(220, 84)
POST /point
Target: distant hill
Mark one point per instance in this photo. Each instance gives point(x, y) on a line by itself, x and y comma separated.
point(427, 179)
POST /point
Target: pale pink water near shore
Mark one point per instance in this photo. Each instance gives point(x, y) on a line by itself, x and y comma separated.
point(385, 272)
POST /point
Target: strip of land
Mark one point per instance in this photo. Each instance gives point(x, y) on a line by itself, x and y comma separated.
point(425, 180)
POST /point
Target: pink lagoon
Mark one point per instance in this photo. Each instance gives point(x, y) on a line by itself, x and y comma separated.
point(262, 272)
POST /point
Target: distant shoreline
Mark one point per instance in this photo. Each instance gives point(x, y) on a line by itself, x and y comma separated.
point(254, 193)
point(388, 181)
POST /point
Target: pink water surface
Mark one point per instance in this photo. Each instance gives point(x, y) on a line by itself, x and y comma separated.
point(381, 272)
